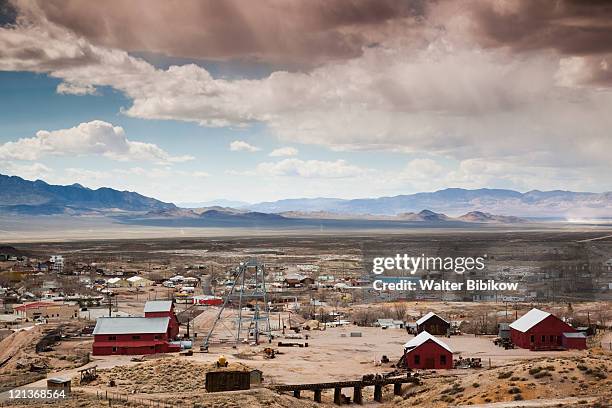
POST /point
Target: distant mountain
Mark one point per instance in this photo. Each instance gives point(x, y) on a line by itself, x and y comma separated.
point(39, 198)
point(457, 201)
point(214, 203)
point(479, 216)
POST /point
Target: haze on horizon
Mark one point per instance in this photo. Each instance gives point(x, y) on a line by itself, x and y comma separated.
point(194, 101)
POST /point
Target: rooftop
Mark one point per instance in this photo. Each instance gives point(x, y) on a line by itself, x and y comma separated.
point(422, 338)
point(427, 317)
point(529, 319)
point(158, 306)
point(131, 325)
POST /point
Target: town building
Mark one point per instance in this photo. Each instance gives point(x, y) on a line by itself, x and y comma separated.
point(540, 330)
point(139, 282)
point(433, 324)
point(425, 351)
point(133, 335)
point(47, 310)
point(163, 308)
point(57, 263)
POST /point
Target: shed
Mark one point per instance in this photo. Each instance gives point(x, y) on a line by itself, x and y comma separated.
point(539, 330)
point(425, 351)
point(433, 324)
point(227, 381)
point(574, 341)
point(56, 383)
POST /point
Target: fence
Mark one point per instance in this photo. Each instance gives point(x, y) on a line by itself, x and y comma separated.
point(129, 399)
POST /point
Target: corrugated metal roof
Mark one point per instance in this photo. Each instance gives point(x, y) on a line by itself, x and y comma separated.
point(529, 319)
point(131, 325)
point(427, 317)
point(422, 338)
point(158, 306)
point(577, 335)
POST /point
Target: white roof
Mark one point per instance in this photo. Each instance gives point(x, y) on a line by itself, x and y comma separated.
point(158, 306)
point(422, 338)
point(113, 280)
point(529, 319)
point(131, 325)
point(427, 317)
point(577, 335)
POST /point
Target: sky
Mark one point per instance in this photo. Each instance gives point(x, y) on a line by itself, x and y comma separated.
point(191, 101)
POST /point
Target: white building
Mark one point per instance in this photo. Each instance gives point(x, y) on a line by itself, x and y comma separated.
point(57, 263)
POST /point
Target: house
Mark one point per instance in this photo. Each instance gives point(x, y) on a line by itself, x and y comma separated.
point(433, 324)
point(389, 324)
point(47, 310)
point(296, 280)
point(540, 330)
point(427, 352)
point(117, 283)
point(139, 282)
point(163, 308)
point(132, 335)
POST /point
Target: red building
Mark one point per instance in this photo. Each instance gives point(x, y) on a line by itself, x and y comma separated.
point(574, 341)
point(427, 352)
point(433, 324)
point(539, 330)
point(163, 308)
point(132, 335)
point(207, 300)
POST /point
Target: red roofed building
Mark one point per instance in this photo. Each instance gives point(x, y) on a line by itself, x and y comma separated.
point(132, 335)
point(427, 352)
point(539, 330)
point(163, 308)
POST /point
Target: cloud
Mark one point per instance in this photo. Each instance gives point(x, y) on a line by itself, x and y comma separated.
point(284, 151)
point(292, 32)
point(94, 138)
point(242, 146)
point(309, 168)
point(461, 82)
point(30, 171)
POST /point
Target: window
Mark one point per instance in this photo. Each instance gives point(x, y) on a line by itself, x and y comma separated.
point(532, 338)
point(135, 337)
point(443, 359)
point(417, 359)
point(543, 339)
point(552, 339)
point(114, 349)
point(157, 337)
point(112, 337)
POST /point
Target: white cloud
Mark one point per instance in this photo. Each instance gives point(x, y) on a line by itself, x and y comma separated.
point(310, 168)
point(96, 137)
point(242, 146)
point(284, 151)
point(30, 171)
point(441, 96)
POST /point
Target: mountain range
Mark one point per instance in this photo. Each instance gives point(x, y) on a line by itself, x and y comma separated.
point(19, 196)
point(457, 201)
point(39, 198)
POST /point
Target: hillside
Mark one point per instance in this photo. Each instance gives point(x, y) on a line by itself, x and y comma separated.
point(39, 198)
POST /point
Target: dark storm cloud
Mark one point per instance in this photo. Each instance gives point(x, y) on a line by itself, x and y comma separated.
point(286, 32)
point(8, 13)
point(572, 27)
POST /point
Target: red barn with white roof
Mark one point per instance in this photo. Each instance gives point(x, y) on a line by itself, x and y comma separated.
point(540, 330)
point(426, 351)
point(132, 335)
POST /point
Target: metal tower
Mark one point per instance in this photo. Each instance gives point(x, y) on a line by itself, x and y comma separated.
point(248, 288)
